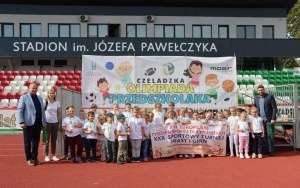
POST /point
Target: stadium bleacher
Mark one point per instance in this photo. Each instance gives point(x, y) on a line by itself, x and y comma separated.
point(248, 80)
point(13, 84)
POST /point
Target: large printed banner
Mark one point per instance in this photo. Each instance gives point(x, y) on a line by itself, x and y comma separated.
point(188, 139)
point(8, 119)
point(146, 80)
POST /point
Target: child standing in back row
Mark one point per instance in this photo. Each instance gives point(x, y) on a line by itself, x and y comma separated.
point(232, 131)
point(146, 137)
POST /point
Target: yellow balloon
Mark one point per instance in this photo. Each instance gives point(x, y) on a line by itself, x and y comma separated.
point(118, 87)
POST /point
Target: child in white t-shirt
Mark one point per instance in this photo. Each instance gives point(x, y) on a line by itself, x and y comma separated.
point(83, 121)
point(221, 121)
point(72, 127)
point(122, 131)
point(128, 113)
point(257, 128)
point(146, 137)
point(243, 129)
point(159, 114)
point(182, 116)
point(171, 120)
point(208, 119)
point(136, 123)
point(232, 131)
point(101, 138)
point(110, 133)
point(91, 130)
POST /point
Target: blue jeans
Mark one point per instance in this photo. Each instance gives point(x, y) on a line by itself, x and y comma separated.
point(146, 148)
point(269, 137)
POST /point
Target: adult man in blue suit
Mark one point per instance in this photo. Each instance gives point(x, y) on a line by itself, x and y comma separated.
point(31, 116)
point(267, 108)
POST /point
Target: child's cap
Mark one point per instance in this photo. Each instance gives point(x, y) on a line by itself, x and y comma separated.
point(109, 114)
point(121, 116)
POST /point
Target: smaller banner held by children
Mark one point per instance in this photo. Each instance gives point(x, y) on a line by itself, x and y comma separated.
point(188, 139)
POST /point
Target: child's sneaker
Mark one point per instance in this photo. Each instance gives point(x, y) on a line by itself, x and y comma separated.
point(133, 159)
point(95, 159)
point(237, 155)
point(88, 160)
point(66, 157)
point(241, 156)
point(260, 156)
point(202, 155)
point(146, 159)
point(209, 155)
point(72, 160)
point(47, 159)
point(231, 155)
point(79, 159)
point(138, 160)
point(128, 160)
point(120, 162)
point(253, 156)
point(247, 156)
point(180, 155)
point(54, 158)
point(186, 155)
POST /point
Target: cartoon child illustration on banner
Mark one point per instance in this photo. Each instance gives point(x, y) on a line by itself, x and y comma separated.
point(212, 81)
point(103, 87)
point(124, 70)
point(194, 71)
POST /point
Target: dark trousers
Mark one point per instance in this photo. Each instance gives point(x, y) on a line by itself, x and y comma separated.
point(251, 150)
point(269, 138)
point(91, 146)
point(257, 143)
point(110, 150)
point(73, 142)
point(66, 145)
point(31, 141)
point(85, 143)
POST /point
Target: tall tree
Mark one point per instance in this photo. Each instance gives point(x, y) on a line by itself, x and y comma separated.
point(293, 21)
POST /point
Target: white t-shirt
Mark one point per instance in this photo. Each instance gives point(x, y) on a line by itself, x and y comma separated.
point(170, 121)
point(195, 122)
point(245, 126)
point(68, 123)
point(182, 119)
point(256, 124)
point(136, 125)
point(147, 128)
point(128, 115)
point(232, 120)
point(123, 129)
point(249, 117)
point(158, 117)
point(51, 112)
point(109, 131)
point(208, 122)
point(220, 122)
point(91, 126)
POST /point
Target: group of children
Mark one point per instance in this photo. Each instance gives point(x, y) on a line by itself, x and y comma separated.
point(112, 130)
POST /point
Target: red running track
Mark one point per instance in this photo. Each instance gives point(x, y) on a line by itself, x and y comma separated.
point(282, 170)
